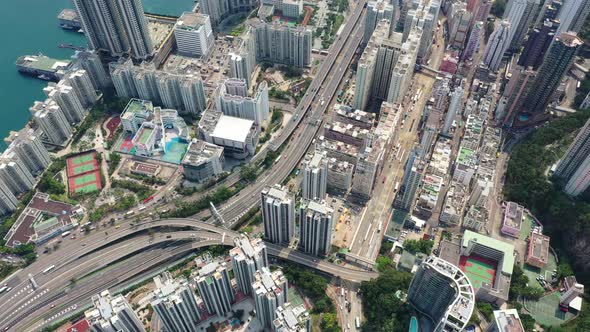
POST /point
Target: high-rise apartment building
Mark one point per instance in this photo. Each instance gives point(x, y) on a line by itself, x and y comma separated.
point(29, 149)
point(270, 290)
point(575, 164)
point(459, 24)
point(424, 15)
point(183, 92)
point(52, 121)
point(404, 67)
point(193, 34)
point(521, 14)
point(456, 100)
point(215, 288)
point(557, 61)
point(443, 293)
point(220, 9)
point(413, 173)
point(474, 41)
point(83, 87)
point(67, 100)
point(117, 27)
point(247, 257)
point(374, 68)
point(14, 174)
point(282, 44)
point(233, 100)
point(315, 176)
point(498, 43)
point(243, 61)
point(315, 227)
point(572, 15)
point(278, 214)
point(112, 313)
point(175, 304)
point(8, 202)
point(90, 61)
point(376, 12)
point(537, 44)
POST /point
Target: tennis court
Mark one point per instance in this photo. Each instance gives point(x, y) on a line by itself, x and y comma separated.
point(83, 173)
point(85, 183)
point(479, 270)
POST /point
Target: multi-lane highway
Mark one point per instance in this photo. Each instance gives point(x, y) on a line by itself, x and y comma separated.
point(81, 272)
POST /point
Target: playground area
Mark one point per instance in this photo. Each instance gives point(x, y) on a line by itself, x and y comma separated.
point(124, 144)
point(83, 173)
point(112, 126)
point(479, 270)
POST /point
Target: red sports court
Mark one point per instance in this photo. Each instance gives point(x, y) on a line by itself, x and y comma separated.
point(83, 173)
point(479, 270)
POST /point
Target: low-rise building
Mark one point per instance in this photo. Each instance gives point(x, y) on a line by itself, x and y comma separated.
point(292, 319)
point(238, 137)
point(538, 250)
point(513, 217)
point(202, 161)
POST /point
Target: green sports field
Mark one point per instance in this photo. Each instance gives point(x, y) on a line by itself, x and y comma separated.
point(479, 270)
point(87, 188)
point(82, 159)
point(84, 168)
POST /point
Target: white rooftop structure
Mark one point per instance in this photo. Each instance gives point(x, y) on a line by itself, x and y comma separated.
point(231, 128)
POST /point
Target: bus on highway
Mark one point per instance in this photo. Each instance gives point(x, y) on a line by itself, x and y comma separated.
point(49, 268)
point(357, 322)
point(65, 234)
point(3, 289)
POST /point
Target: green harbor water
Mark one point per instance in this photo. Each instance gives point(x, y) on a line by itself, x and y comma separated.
point(31, 27)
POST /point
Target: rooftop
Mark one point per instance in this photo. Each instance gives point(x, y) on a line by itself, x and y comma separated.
point(191, 21)
point(233, 129)
point(506, 248)
point(539, 247)
point(508, 321)
point(199, 152)
point(42, 62)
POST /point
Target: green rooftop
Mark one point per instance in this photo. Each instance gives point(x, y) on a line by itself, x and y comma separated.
point(506, 248)
point(139, 106)
point(464, 155)
point(145, 134)
point(41, 224)
point(42, 62)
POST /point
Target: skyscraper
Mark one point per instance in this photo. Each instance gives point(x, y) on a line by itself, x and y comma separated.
point(215, 288)
point(193, 33)
point(376, 12)
point(498, 44)
point(557, 61)
point(315, 227)
point(572, 15)
point(575, 164)
point(442, 293)
point(232, 100)
point(404, 68)
point(520, 14)
point(270, 290)
point(278, 214)
point(175, 304)
point(52, 121)
point(315, 176)
point(115, 26)
point(219, 9)
point(247, 257)
point(110, 313)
